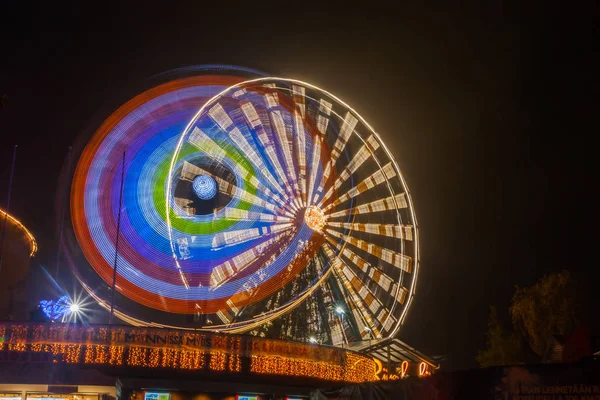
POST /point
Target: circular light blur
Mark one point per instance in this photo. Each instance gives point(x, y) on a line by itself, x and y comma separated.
point(315, 218)
point(311, 213)
point(74, 308)
point(205, 187)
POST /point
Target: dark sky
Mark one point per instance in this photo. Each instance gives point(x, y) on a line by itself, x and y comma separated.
point(491, 112)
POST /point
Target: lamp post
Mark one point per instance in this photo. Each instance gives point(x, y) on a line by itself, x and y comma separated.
point(367, 329)
point(341, 313)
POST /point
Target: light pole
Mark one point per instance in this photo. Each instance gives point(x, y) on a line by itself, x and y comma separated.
point(341, 313)
point(367, 329)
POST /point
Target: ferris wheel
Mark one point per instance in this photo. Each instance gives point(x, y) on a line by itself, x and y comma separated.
point(254, 205)
point(309, 228)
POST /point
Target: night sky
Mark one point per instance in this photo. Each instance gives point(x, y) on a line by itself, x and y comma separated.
point(490, 112)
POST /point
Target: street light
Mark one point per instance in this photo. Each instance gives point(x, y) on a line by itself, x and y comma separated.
point(367, 329)
point(71, 313)
point(341, 313)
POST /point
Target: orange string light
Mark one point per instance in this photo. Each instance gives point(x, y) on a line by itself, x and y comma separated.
point(28, 234)
point(350, 367)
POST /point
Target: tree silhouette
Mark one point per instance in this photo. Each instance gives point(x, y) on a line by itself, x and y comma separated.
point(545, 309)
point(540, 312)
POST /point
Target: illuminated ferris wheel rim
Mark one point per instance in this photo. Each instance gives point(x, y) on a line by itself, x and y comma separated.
point(352, 235)
point(211, 102)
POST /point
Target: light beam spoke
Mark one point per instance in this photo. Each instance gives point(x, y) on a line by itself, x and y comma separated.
point(389, 203)
point(356, 306)
point(323, 117)
point(282, 136)
point(398, 260)
point(223, 272)
point(362, 155)
point(299, 94)
point(245, 146)
point(257, 201)
point(369, 300)
point(253, 119)
point(229, 238)
point(390, 230)
point(314, 168)
point(346, 130)
point(200, 140)
point(353, 304)
point(376, 275)
point(377, 178)
point(301, 152)
point(237, 214)
point(224, 121)
point(234, 213)
point(322, 124)
point(333, 320)
point(255, 122)
point(365, 303)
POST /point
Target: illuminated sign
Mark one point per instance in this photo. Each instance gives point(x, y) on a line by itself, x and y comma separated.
point(424, 369)
point(157, 396)
point(399, 372)
point(244, 397)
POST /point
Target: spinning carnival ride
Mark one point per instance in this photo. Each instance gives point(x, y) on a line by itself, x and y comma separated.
point(250, 204)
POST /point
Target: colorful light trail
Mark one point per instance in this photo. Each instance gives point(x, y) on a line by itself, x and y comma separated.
point(248, 205)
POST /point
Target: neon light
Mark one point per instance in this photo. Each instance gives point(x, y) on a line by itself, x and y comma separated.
point(403, 369)
point(56, 309)
point(424, 369)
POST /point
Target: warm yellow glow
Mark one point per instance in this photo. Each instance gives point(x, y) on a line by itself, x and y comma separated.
point(58, 345)
point(382, 373)
point(32, 242)
point(424, 369)
point(315, 218)
point(403, 368)
point(378, 367)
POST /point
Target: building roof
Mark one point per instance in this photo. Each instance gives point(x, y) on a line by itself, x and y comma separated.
point(399, 351)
